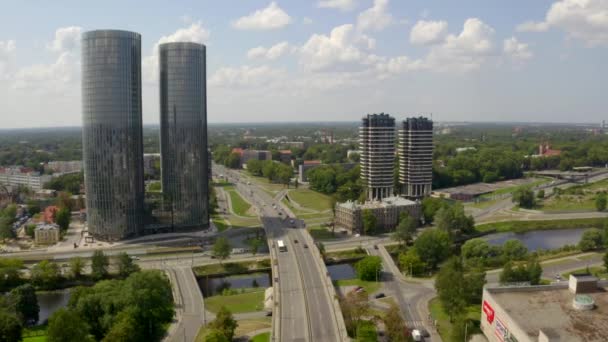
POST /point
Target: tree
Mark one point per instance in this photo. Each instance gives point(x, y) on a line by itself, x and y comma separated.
point(63, 217)
point(66, 325)
point(10, 327)
point(255, 245)
point(405, 230)
point(600, 201)
point(475, 249)
point(410, 262)
point(6, 231)
point(369, 268)
point(24, 302)
point(369, 222)
point(225, 323)
point(540, 194)
point(450, 285)
point(125, 328)
point(592, 239)
point(514, 250)
point(453, 220)
point(99, 265)
point(233, 161)
point(33, 207)
point(475, 279)
point(524, 197)
point(30, 230)
point(216, 336)
point(76, 267)
point(366, 332)
point(9, 273)
point(530, 272)
point(430, 206)
point(535, 271)
point(126, 266)
point(433, 246)
point(46, 274)
point(221, 249)
point(395, 325)
point(355, 306)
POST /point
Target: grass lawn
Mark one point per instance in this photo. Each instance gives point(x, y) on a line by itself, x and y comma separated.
point(264, 337)
point(569, 203)
point(239, 205)
point(238, 303)
point(232, 267)
point(35, 339)
point(346, 254)
point(512, 189)
point(240, 222)
point(369, 286)
point(247, 326)
point(35, 334)
point(321, 233)
point(523, 226)
point(597, 271)
point(220, 223)
point(310, 199)
point(443, 320)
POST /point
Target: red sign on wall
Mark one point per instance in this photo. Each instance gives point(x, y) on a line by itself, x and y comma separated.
point(487, 309)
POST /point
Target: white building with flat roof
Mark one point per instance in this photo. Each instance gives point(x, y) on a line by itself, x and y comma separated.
point(21, 176)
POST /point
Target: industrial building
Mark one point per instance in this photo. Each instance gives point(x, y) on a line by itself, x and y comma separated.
point(183, 133)
point(573, 311)
point(22, 176)
point(377, 148)
point(416, 157)
point(112, 133)
point(387, 212)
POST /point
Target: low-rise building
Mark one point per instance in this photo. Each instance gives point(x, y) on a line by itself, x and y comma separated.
point(285, 156)
point(46, 234)
point(63, 166)
point(23, 176)
point(387, 212)
point(573, 311)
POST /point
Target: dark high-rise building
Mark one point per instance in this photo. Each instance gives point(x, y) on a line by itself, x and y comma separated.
point(112, 133)
point(416, 157)
point(183, 129)
point(377, 148)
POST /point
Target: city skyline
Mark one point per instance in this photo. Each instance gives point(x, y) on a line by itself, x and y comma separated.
point(287, 61)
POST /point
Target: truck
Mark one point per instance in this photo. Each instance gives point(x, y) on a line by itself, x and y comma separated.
point(281, 246)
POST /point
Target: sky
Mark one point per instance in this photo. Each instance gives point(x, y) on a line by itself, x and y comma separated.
point(326, 60)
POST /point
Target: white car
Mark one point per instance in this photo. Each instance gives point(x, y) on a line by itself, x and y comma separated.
point(416, 335)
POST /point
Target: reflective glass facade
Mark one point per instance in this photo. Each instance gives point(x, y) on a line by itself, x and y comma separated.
point(183, 133)
point(112, 133)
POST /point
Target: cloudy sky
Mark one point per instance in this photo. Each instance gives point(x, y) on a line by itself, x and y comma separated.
point(326, 60)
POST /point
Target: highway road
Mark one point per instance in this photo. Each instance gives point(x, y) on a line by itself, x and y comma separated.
point(307, 310)
point(190, 310)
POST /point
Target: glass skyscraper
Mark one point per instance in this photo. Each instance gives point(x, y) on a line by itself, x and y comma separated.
point(112, 133)
point(183, 133)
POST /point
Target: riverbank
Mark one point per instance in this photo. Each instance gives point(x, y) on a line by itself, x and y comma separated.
point(525, 226)
point(233, 268)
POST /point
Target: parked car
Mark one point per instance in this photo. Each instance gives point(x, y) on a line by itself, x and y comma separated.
point(380, 295)
point(416, 335)
point(375, 246)
point(295, 241)
point(305, 246)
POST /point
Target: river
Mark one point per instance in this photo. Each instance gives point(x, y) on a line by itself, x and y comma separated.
point(540, 239)
point(50, 302)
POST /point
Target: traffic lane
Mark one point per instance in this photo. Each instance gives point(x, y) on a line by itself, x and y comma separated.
point(321, 314)
point(293, 303)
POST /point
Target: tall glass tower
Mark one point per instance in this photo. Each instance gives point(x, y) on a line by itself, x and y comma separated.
point(183, 133)
point(112, 133)
point(416, 157)
point(377, 147)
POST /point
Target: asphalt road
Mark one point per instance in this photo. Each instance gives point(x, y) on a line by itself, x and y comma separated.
point(306, 309)
point(190, 308)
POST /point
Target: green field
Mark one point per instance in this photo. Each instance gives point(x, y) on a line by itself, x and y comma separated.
point(238, 303)
point(512, 189)
point(239, 205)
point(310, 199)
point(264, 337)
point(443, 320)
point(597, 271)
point(369, 286)
point(35, 334)
point(321, 233)
point(569, 203)
point(219, 222)
point(523, 226)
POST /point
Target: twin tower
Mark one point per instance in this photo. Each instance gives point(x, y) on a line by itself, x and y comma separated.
point(113, 138)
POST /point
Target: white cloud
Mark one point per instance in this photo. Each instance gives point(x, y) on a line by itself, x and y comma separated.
point(516, 50)
point(586, 20)
point(7, 52)
point(246, 76)
point(66, 39)
point(463, 52)
point(342, 5)
point(428, 32)
point(376, 18)
point(270, 53)
point(398, 65)
point(269, 18)
point(195, 33)
point(532, 26)
point(344, 48)
point(48, 77)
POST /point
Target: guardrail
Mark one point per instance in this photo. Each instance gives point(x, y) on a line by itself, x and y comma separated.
point(275, 333)
point(331, 290)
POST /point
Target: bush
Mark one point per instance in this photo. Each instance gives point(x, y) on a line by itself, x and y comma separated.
point(369, 268)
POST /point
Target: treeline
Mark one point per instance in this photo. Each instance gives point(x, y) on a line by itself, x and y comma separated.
point(272, 170)
point(488, 165)
point(70, 182)
point(335, 180)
